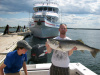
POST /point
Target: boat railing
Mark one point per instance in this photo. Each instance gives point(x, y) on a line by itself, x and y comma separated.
point(46, 11)
point(43, 13)
point(43, 3)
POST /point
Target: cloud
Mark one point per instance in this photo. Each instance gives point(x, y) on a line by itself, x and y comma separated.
point(80, 6)
point(67, 6)
point(75, 13)
point(14, 6)
point(82, 21)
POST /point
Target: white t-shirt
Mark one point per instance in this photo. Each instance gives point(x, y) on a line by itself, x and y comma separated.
point(59, 58)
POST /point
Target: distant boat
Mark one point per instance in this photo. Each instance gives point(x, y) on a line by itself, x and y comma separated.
point(45, 20)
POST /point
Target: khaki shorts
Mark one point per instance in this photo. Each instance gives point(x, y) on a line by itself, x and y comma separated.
point(17, 73)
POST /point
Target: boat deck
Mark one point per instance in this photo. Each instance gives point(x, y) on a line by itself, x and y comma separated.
point(43, 69)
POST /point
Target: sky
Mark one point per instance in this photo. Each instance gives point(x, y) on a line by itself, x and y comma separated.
point(74, 13)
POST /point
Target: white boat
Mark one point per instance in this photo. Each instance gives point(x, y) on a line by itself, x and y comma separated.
point(43, 69)
point(45, 20)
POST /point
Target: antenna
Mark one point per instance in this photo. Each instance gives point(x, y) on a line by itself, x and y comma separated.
point(61, 16)
point(29, 15)
point(48, 1)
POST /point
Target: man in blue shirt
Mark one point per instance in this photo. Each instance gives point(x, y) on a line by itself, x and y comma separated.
point(15, 60)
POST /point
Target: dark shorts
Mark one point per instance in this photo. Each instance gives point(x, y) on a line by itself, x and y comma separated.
point(54, 70)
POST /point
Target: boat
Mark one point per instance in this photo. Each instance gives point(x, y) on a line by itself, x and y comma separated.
point(43, 69)
point(45, 20)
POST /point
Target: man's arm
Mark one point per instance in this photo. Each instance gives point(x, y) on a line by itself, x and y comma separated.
point(25, 68)
point(71, 51)
point(49, 49)
point(1, 69)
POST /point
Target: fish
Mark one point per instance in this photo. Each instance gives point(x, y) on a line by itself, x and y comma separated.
point(67, 45)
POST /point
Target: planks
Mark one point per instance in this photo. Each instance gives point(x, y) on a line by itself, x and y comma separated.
point(8, 44)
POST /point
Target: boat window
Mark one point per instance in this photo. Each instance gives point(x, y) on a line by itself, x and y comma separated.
point(40, 9)
point(54, 10)
point(48, 18)
point(49, 9)
point(52, 19)
point(36, 9)
point(45, 8)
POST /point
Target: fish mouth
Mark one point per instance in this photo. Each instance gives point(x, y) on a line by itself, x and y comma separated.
point(48, 40)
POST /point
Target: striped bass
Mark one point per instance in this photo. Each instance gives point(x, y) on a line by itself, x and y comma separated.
point(67, 45)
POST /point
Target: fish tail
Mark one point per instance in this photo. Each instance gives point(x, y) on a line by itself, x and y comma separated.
point(94, 52)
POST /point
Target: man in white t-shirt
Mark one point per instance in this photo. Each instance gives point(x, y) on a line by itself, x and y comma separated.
point(60, 60)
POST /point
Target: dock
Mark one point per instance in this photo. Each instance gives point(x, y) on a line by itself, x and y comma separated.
point(8, 43)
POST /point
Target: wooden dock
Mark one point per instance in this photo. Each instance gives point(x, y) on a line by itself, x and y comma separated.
point(8, 44)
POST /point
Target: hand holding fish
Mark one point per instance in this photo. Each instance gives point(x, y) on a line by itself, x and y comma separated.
point(71, 51)
point(49, 49)
point(74, 48)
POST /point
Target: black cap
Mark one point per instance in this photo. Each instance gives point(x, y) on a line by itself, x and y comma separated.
point(24, 44)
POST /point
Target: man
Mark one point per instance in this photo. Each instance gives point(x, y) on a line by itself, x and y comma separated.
point(16, 59)
point(60, 60)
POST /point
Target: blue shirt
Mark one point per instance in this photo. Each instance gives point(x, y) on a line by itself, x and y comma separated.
point(14, 62)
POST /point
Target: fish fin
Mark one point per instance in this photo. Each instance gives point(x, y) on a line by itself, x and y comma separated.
point(94, 52)
point(60, 47)
point(80, 41)
point(82, 51)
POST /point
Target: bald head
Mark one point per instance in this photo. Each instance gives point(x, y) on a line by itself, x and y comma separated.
point(63, 25)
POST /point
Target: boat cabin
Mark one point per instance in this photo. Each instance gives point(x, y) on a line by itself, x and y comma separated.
point(47, 10)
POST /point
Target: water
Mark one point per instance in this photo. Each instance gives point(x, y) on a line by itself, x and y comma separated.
point(89, 37)
point(10, 29)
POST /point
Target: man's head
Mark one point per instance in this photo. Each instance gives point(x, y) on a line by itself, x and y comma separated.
point(63, 29)
point(23, 45)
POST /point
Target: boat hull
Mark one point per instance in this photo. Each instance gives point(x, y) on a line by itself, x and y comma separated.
point(44, 32)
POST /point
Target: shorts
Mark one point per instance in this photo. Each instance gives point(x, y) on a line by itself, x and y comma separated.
point(54, 70)
point(17, 73)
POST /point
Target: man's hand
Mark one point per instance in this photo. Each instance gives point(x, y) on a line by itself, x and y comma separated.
point(49, 49)
point(71, 51)
point(46, 44)
point(74, 48)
